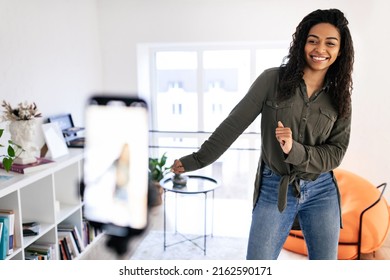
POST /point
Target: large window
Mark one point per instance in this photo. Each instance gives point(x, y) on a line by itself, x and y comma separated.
point(193, 88)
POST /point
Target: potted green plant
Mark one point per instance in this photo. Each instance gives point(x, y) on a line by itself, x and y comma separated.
point(157, 170)
point(8, 159)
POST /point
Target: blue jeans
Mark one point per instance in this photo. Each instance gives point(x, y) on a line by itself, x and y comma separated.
point(317, 208)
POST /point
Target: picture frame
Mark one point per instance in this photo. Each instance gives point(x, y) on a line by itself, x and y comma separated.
point(55, 140)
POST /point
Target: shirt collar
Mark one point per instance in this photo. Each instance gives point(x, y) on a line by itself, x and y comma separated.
point(325, 88)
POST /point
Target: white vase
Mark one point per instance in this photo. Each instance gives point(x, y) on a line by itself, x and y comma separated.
point(22, 133)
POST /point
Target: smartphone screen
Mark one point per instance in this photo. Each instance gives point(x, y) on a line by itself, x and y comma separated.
point(116, 162)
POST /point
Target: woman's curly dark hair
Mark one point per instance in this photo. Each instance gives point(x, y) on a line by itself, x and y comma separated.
point(339, 73)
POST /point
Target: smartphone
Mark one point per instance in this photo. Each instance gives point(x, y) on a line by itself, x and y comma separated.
point(116, 163)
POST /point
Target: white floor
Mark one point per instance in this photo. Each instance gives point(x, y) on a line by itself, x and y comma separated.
point(232, 218)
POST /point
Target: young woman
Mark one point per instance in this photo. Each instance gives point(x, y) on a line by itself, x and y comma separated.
point(305, 106)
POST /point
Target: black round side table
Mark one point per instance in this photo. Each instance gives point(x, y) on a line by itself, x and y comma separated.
point(195, 185)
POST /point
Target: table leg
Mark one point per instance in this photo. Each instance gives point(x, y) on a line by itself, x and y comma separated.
point(212, 216)
point(175, 213)
point(165, 220)
point(205, 224)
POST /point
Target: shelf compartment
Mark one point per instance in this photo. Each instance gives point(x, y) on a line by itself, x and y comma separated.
point(37, 201)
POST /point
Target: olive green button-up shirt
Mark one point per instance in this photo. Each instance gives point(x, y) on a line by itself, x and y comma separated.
point(320, 138)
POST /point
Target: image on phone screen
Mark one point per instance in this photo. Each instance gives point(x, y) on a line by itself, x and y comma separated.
point(116, 162)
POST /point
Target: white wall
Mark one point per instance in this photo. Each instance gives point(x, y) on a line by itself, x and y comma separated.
point(124, 24)
point(50, 54)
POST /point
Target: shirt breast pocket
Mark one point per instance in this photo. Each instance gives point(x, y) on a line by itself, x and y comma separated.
point(279, 111)
point(325, 122)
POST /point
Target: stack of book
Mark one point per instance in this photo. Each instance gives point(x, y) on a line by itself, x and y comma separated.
point(31, 228)
point(40, 251)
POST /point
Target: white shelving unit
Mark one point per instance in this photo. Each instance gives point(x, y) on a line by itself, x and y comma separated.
point(36, 196)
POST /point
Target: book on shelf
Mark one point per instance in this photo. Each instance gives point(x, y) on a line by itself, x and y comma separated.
point(61, 250)
point(64, 249)
point(40, 164)
point(11, 231)
point(4, 238)
point(1, 230)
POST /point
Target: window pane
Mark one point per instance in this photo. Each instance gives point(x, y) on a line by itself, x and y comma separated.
point(176, 94)
point(175, 60)
point(267, 58)
point(226, 77)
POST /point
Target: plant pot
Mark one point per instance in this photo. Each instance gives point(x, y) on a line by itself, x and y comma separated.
point(155, 194)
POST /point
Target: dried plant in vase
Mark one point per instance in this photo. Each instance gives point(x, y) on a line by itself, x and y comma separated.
point(23, 112)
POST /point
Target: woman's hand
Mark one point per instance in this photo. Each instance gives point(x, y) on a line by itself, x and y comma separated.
point(177, 167)
point(284, 137)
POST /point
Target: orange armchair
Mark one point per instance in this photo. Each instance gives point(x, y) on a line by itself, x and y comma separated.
point(365, 215)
